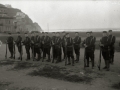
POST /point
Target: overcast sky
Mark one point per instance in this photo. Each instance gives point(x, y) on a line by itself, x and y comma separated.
point(70, 14)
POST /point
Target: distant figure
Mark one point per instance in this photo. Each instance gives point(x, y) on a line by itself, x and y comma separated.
point(89, 47)
point(77, 42)
point(27, 42)
point(111, 40)
point(10, 42)
point(104, 44)
point(18, 43)
point(70, 48)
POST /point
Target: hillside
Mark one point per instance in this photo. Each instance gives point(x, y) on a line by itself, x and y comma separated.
point(13, 11)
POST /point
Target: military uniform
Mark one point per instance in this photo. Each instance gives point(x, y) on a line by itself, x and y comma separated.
point(10, 45)
point(19, 45)
point(27, 43)
point(37, 44)
point(46, 47)
point(89, 50)
point(69, 42)
point(77, 41)
point(58, 49)
point(53, 47)
point(111, 40)
point(105, 51)
point(63, 45)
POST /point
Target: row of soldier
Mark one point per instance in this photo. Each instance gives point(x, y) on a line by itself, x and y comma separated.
point(45, 43)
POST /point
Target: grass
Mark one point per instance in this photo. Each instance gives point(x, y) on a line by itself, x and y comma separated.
point(56, 72)
point(116, 86)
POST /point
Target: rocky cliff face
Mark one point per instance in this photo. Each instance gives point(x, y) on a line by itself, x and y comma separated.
point(28, 22)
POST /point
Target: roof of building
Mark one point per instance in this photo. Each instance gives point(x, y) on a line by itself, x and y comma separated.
point(6, 17)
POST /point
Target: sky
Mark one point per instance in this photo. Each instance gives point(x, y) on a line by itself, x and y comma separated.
point(64, 15)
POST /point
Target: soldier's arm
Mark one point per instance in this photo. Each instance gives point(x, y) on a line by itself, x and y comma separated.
point(113, 40)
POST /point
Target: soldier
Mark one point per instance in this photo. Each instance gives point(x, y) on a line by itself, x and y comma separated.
point(111, 40)
point(18, 43)
point(58, 47)
point(53, 46)
point(42, 39)
point(69, 42)
point(63, 43)
point(104, 44)
point(77, 41)
point(27, 43)
point(93, 41)
point(46, 46)
point(32, 44)
point(37, 43)
point(89, 47)
point(10, 44)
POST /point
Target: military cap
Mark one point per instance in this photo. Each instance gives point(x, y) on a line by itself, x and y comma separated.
point(87, 32)
point(104, 31)
point(90, 31)
point(18, 32)
point(9, 33)
point(25, 33)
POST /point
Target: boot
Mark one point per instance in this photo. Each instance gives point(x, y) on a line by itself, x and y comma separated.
point(48, 58)
point(53, 60)
point(76, 58)
point(108, 65)
point(72, 62)
point(69, 61)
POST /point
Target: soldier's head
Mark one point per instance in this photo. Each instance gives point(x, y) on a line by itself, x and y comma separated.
point(9, 34)
point(110, 32)
point(104, 33)
point(88, 34)
point(46, 33)
point(26, 34)
point(18, 33)
point(76, 33)
point(67, 35)
point(63, 33)
point(91, 33)
point(58, 34)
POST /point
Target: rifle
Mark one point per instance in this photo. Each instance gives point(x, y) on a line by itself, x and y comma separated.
point(65, 52)
point(21, 52)
point(6, 52)
point(84, 58)
point(99, 62)
point(14, 50)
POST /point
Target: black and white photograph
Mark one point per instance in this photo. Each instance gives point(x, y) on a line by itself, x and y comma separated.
point(59, 45)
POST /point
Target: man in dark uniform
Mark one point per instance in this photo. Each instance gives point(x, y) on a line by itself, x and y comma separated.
point(46, 46)
point(70, 46)
point(10, 44)
point(32, 44)
point(93, 41)
point(27, 43)
point(53, 46)
point(104, 44)
point(63, 44)
point(18, 43)
point(89, 47)
point(37, 43)
point(58, 47)
point(42, 39)
point(77, 41)
point(111, 40)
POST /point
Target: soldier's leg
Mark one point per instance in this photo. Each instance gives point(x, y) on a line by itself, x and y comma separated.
point(104, 57)
point(72, 56)
point(107, 60)
point(38, 53)
point(64, 52)
point(19, 50)
point(112, 55)
point(68, 55)
point(92, 58)
point(44, 53)
point(87, 58)
point(48, 52)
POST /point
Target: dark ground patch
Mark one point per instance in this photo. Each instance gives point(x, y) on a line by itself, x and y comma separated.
point(60, 73)
point(6, 62)
point(24, 65)
point(116, 86)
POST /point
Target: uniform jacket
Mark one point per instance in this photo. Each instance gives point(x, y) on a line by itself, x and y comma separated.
point(32, 40)
point(63, 41)
point(90, 44)
point(69, 41)
point(57, 42)
point(27, 42)
point(53, 40)
point(77, 41)
point(111, 40)
point(47, 42)
point(18, 41)
point(10, 41)
point(105, 42)
point(37, 41)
